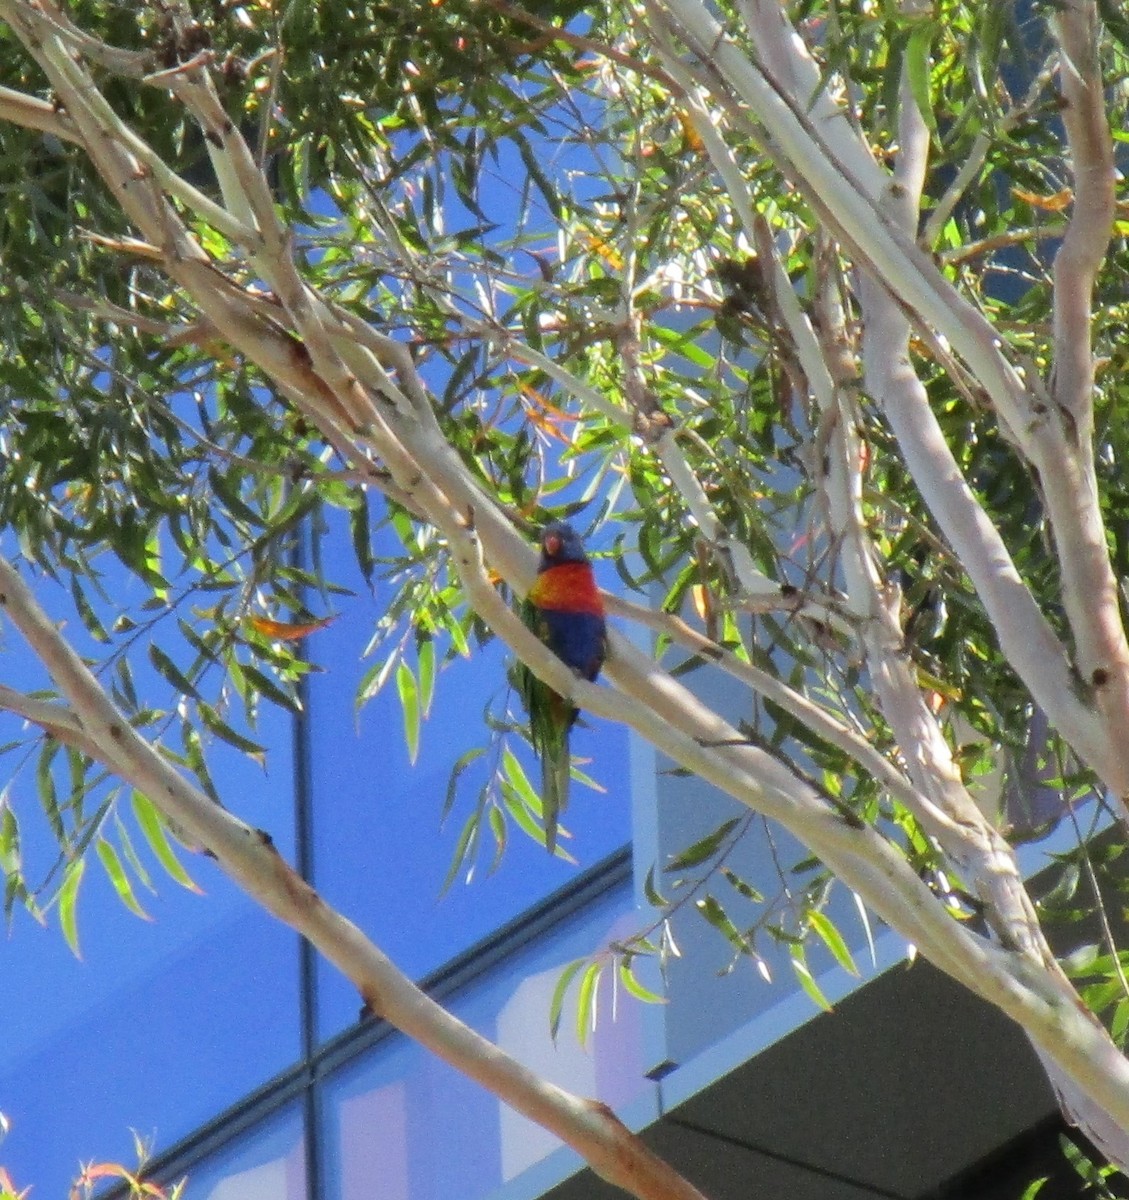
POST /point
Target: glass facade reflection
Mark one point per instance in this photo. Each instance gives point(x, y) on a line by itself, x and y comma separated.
point(379, 1117)
point(269, 1163)
point(212, 1036)
point(156, 1056)
point(161, 1024)
point(401, 1124)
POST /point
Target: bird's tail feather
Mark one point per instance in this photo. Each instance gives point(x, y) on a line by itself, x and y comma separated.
point(556, 770)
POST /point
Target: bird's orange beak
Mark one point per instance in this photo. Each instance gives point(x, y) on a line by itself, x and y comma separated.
point(552, 545)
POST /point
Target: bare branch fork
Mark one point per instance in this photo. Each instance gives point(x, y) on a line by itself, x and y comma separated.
point(968, 840)
point(796, 119)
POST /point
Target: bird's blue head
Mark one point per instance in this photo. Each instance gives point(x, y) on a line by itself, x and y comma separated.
point(560, 543)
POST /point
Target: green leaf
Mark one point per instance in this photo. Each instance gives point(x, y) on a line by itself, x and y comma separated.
point(807, 982)
point(741, 886)
point(461, 764)
point(586, 997)
point(654, 897)
point(425, 663)
point(916, 63)
point(832, 939)
point(149, 820)
point(125, 690)
point(135, 863)
point(1119, 1023)
point(86, 611)
point(519, 811)
point(223, 730)
point(456, 632)
point(375, 678)
point(705, 848)
point(68, 903)
point(48, 794)
point(464, 850)
point(713, 912)
point(633, 986)
point(537, 174)
point(409, 703)
point(14, 888)
point(360, 530)
point(556, 1003)
point(194, 759)
point(514, 774)
point(266, 686)
point(165, 665)
point(77, 765)
point(498, 829)
point(112, 863)
point(1035, 1187)
point(9, 836)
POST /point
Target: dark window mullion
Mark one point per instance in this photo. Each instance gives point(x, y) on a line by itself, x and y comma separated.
point(307, 955)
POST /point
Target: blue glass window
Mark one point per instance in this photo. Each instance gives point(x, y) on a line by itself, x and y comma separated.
point(161, 1024)
point(269, 1163)
point(401, 1124)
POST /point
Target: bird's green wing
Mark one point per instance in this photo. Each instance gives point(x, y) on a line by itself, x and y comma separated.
point(549, 721)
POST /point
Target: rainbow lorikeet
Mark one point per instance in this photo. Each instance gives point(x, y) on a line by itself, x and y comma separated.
point(566, 612)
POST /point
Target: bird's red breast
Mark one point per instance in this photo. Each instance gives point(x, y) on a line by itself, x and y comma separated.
point(567, 587)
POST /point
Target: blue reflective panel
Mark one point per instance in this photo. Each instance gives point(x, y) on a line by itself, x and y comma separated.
point(381, 855)
point(402, 1125)
point(162, 1024)
point(267, 1163)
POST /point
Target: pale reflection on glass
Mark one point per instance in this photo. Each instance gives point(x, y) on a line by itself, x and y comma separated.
point(609, 1066)
point(267, 1164)
point(401, 1125)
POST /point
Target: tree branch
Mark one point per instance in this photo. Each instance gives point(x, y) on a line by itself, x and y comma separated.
point(1088, 233)
point(33, 113)
point(55, 719)
point(1089, 589)
point(250, 859)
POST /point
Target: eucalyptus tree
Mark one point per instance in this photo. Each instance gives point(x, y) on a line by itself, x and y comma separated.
point(817, 307)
